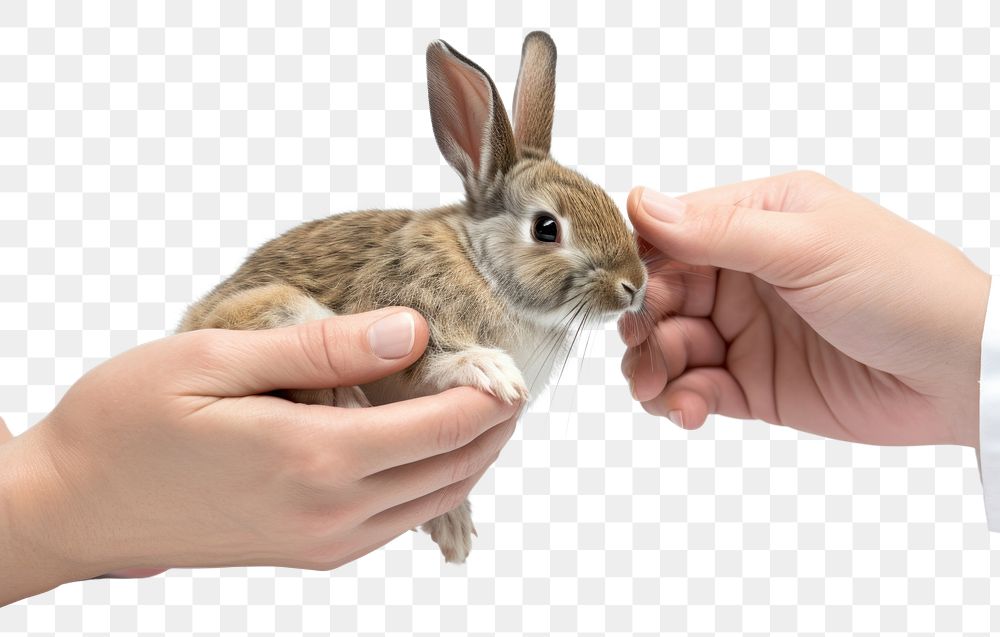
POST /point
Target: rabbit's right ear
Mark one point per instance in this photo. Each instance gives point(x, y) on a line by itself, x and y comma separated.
point(535, 92)
point(470, 122)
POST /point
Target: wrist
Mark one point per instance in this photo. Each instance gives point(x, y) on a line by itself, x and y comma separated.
point(40, 534)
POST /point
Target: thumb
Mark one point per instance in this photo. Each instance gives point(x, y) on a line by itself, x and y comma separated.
point(699, 230)
point(335, 352)
point(5, 434)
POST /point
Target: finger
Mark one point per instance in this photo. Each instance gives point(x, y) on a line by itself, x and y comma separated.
point(678, 343)
point(334, 352)
point(5, 434)
point(415, 512)
point(646, 363)
point(395, 486)
point(702, 231)
point(397, 434)
point(791, 191)
point(688, 400)
point(368, 440)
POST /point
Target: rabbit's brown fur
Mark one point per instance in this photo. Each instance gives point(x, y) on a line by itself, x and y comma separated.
point(499, 301)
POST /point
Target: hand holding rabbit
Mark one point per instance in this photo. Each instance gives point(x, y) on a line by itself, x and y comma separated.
point(168, 456)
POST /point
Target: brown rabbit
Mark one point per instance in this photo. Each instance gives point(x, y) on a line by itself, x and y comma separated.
point(503, 278)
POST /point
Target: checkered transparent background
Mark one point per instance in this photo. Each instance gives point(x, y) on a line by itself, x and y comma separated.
point(144, 151)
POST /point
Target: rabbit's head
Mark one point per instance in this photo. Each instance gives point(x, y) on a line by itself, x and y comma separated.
point(552, 243)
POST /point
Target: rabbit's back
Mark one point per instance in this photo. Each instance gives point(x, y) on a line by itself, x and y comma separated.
point(361, 261)
point(317, 257)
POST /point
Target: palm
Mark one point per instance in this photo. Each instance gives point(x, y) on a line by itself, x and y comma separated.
point(745, 344)
point(790, 375)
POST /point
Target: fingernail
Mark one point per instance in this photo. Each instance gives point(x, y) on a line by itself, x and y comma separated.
point(392, 337)
point(677, 417)
point(661, 207)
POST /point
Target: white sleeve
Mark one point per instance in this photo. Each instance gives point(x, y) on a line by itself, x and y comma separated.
point(989, 408)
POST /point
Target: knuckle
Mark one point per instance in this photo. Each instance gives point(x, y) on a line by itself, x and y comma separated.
point(468, 461)
point(451, 432)
point(502, 433)
point(450, 497)
point(508, 432)
point(207, 348)
point(716, 227)
point(810, 177)
point(309, 475)
point(314, 477)
point(314, 525)
point(319, 340)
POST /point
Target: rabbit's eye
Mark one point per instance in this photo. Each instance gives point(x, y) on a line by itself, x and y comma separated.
point(545, 229)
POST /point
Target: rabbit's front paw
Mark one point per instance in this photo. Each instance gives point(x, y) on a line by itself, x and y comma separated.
point(453, 532)
point(490, 370)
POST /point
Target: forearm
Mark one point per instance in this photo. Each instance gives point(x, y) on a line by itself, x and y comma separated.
point(36, 551)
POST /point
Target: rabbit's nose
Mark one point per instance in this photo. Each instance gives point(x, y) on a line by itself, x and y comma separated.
point(629, 290)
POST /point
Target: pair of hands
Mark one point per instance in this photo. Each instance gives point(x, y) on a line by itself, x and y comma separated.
point(788, 299)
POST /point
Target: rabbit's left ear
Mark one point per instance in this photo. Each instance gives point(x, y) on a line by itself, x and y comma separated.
point(535, 93)
point(470, 122)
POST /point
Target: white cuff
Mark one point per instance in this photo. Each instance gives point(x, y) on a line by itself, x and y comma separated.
point(989, 408)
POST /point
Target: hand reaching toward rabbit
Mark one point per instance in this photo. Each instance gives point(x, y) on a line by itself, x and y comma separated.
point(168, 456)
point(797, 302)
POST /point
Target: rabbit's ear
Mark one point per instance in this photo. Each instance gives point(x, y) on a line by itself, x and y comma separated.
point(535, 93)
point(470, 122)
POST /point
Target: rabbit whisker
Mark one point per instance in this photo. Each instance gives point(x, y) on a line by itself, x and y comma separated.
point(569, 350)
point(557, 330)
point(550, 345)
point(586, 346)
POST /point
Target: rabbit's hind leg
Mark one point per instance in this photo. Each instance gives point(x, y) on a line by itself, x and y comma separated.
point(452, 532)
point(278, 305)
point(490, 370)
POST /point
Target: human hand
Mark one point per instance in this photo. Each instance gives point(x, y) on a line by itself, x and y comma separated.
point(795, 301)
point(167, 456)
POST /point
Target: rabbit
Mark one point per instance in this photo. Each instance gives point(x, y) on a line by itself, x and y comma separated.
point(505, 278)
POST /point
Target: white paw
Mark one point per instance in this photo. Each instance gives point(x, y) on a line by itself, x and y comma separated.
point(453, 533)
point(490, 370)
